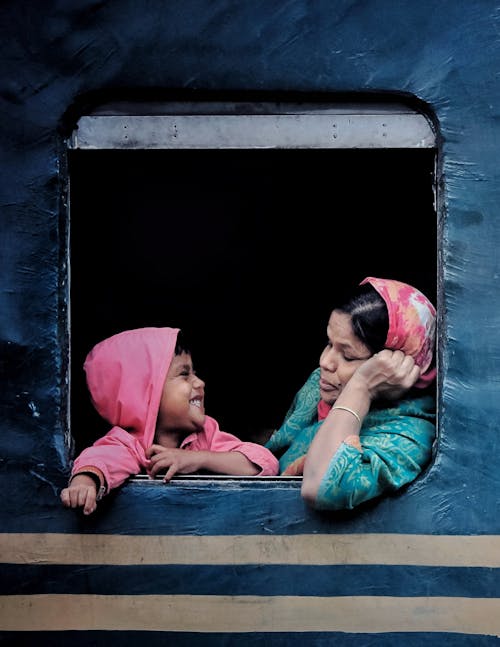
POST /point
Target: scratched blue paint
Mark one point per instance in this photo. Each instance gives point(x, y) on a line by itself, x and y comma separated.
point(55, 54)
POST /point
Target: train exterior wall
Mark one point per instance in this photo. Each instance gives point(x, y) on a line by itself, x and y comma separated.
point(228, 562)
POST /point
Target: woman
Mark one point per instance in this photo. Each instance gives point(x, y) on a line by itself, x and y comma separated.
point(364, 422)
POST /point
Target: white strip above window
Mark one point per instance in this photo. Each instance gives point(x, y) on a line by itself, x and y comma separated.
point(323, 128)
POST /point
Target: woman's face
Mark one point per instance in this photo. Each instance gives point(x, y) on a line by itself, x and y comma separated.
point(343, 354)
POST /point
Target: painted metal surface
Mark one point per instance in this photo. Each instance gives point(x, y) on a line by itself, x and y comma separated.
point(59, 60)
point(253, 131)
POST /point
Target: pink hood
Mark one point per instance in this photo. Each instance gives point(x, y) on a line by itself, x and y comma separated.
point(125, 377)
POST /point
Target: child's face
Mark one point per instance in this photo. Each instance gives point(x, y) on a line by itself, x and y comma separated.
point(182, 401)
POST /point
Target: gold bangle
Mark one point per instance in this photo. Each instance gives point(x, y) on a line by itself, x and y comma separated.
point(349, 410)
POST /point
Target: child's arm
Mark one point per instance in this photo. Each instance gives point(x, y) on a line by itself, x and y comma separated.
point(109, 461)
point(216, 451)
point(184, 461)
point(222, 442)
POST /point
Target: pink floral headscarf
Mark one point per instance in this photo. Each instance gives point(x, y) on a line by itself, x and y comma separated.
point(412, 324)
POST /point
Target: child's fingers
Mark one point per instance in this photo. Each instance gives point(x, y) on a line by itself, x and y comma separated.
point(155, 467)
point(65, 498)
point(80, 497)
point(172, 470)
point(90, 502)
point(154, 449)
point(73, 495)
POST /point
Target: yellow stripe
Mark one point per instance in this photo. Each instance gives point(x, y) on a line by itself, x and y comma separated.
point(321, 549)
point(206, 613)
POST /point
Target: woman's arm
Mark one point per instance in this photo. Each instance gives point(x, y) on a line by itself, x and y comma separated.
point(395, 449)
point(387, 374)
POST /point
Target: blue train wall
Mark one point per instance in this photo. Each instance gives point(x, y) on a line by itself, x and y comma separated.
point(229, 561)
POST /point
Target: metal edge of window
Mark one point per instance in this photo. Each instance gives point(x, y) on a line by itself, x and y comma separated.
point(143, 479)
point(236, 126)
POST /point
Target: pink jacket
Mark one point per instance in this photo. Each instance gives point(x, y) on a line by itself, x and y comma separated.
point(125, 377)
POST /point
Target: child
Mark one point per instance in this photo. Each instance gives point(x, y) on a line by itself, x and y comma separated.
point(142, 381)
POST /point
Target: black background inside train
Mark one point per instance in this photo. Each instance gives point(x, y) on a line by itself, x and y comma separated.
point(245, 251)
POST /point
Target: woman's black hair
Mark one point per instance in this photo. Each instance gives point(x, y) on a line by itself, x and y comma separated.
point(181, 344)
point(369, 316)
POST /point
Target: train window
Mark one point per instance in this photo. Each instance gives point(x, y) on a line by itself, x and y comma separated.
point(237, 221)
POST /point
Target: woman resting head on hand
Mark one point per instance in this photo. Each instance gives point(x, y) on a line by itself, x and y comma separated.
point(364, 422)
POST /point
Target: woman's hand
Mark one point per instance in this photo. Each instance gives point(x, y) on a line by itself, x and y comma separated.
point(388, 374)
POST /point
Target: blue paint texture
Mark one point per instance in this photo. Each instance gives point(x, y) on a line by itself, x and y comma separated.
point(56, 55)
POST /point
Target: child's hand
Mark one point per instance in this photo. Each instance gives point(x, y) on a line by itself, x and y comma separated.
point(172, 459)
point(81, 492)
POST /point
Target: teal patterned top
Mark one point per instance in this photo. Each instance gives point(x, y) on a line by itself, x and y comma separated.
point(396, 445)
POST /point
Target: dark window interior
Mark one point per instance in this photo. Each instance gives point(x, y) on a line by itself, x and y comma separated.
point(243, 249)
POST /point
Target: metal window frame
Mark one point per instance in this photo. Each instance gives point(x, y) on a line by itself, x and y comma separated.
point(252, 126)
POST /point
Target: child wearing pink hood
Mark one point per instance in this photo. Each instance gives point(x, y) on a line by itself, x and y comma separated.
point(143, 383)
